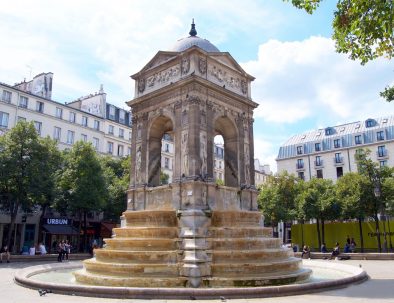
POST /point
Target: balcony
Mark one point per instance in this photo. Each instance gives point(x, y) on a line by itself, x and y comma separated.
point(338, 161)
point(382, 154)
point(318, 163)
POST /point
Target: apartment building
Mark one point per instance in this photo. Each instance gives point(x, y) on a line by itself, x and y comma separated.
point(330, 152)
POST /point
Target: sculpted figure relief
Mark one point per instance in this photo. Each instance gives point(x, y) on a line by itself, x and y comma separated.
point(202, 65)
point(163, 77)
point(185, 151)
point(141, 85)
point(138, 161)
point(185, 65)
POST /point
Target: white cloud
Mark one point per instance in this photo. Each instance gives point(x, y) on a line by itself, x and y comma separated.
point(308, 79)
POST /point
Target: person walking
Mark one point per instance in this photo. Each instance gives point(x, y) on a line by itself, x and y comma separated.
point(67, 248)
point(60, 250)
point(4, 251)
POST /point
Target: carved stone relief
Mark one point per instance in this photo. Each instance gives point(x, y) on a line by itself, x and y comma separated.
point(185, 118)
point(141, 85)
point(138, 162)
point(228, 79)
point(185, 65)
point(247, 163)
point(202, 65)
point(203, 153)
point(185, 152)
point(163, 77)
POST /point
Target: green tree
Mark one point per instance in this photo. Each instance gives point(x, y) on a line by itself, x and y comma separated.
point(277, 199)
point(363, 29)
point(117, 175)
point(21, 164)
point(164, 178)
point(82, 184)
point(317, 201)
point(355, 195)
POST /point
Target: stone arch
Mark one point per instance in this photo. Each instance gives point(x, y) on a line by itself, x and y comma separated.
point(228, 130)
point(158, 127)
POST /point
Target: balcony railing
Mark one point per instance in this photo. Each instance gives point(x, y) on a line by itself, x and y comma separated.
point(338, 160)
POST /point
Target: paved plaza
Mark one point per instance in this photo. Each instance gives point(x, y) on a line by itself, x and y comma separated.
point(379, 288)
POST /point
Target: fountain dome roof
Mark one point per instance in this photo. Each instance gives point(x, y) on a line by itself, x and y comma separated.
point(193, 40)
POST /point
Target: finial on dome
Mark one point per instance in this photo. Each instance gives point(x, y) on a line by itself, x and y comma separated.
point(193, 31)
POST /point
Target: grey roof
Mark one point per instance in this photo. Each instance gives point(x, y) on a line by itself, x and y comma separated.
point(185, 43)
point(344, 132)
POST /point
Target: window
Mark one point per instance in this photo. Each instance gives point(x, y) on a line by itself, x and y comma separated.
point(72, 116)
point(370, 123)
point(339, 172)
point(111, 112)
point(120, 150)
point(21, 119)
point(111, 129)
point(96, 143)
point(6, 97)
point(167, 148)
point(59, 112)
point(166, 162)
point(130, 136)
point(4, 119)
point(38, 127)
point(23, 101)
point(319, 161)
point(300, 163)
point(84, 121)
point(301, 175)
point(338, 158)
point(337, 143)
point(57, 132)
point(96, 125)
point(299, 150)
point(121, 116)
point(121, 133)
point(382, 151)
point(40, 106)
point(220, 164)
point(84, 137)
point(383, 163)
point(317, 147)
point(70, 137)
point(380, 136)
point(110, 148)
point(129, 151)
point(357, 139)
point(329, 131)
point(319, 173)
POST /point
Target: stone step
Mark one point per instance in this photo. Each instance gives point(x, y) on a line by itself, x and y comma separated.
point(151, 218)
point(146, 232)
point(132, 270)
point(235, 218)
point(136, 257)
point(240, 256)
point(235, 232)
point(254, 268)
point(244, 243)
point(144, 244)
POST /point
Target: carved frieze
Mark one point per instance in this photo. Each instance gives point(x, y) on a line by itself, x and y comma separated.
point(228, 79)
point(163, 77)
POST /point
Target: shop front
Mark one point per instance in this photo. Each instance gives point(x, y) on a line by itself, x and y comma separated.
point(57, 229)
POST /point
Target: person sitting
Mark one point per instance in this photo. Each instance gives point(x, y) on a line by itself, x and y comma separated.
point(41, 249)
point(4, 252)
point(346, 249)
point(335, 251)
point(353, 245)
point(306, 252)
point(32, 250)
point(323, 248)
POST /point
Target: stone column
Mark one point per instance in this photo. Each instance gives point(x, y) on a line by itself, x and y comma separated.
point(251, 151)
point(194, 137)
point(177, 173)
point(210, 140)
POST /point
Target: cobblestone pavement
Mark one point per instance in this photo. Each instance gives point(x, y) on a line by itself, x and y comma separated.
point(379, 288)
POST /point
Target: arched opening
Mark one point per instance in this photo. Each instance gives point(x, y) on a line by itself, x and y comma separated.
point(225, 128)
point(218, 159)
point(161, 127)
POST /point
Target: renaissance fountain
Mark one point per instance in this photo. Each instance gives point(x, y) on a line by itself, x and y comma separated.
point(191, 239)
point(192, 233)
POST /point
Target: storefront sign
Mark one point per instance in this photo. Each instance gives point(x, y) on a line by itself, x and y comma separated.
point(56, 221)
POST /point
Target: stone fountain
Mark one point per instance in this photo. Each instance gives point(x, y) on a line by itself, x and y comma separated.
point(192, 233)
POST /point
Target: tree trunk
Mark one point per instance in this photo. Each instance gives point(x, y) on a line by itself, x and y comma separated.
point(79, 231)
point(43, 210)
point(318, 233)
point(322, 232)
point(360, 227)
point(378, 231)
point(85, 228)
point(302, 233)
point(13, 213)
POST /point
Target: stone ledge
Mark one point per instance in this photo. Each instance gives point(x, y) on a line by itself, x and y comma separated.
point(352, 256)
point(47, 257)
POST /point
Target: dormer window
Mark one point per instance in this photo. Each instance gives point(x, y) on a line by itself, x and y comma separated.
point(299, 150)
point(329, 131)
point(317, 147)
point(337, 143)
point(370, 123)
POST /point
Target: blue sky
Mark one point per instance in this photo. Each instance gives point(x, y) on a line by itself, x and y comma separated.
point(301, 82)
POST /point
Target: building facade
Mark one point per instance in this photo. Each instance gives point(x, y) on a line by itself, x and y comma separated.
point(330, 152)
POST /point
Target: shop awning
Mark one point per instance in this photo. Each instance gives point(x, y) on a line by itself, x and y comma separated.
point(60, 229)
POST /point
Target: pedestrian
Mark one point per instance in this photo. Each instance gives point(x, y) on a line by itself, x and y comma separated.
point(67, 248)
point(4, 251)
point(60, 250)
point(41, 249)
point(353, 245)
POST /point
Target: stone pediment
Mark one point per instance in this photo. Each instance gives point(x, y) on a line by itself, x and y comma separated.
point(160, 58)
